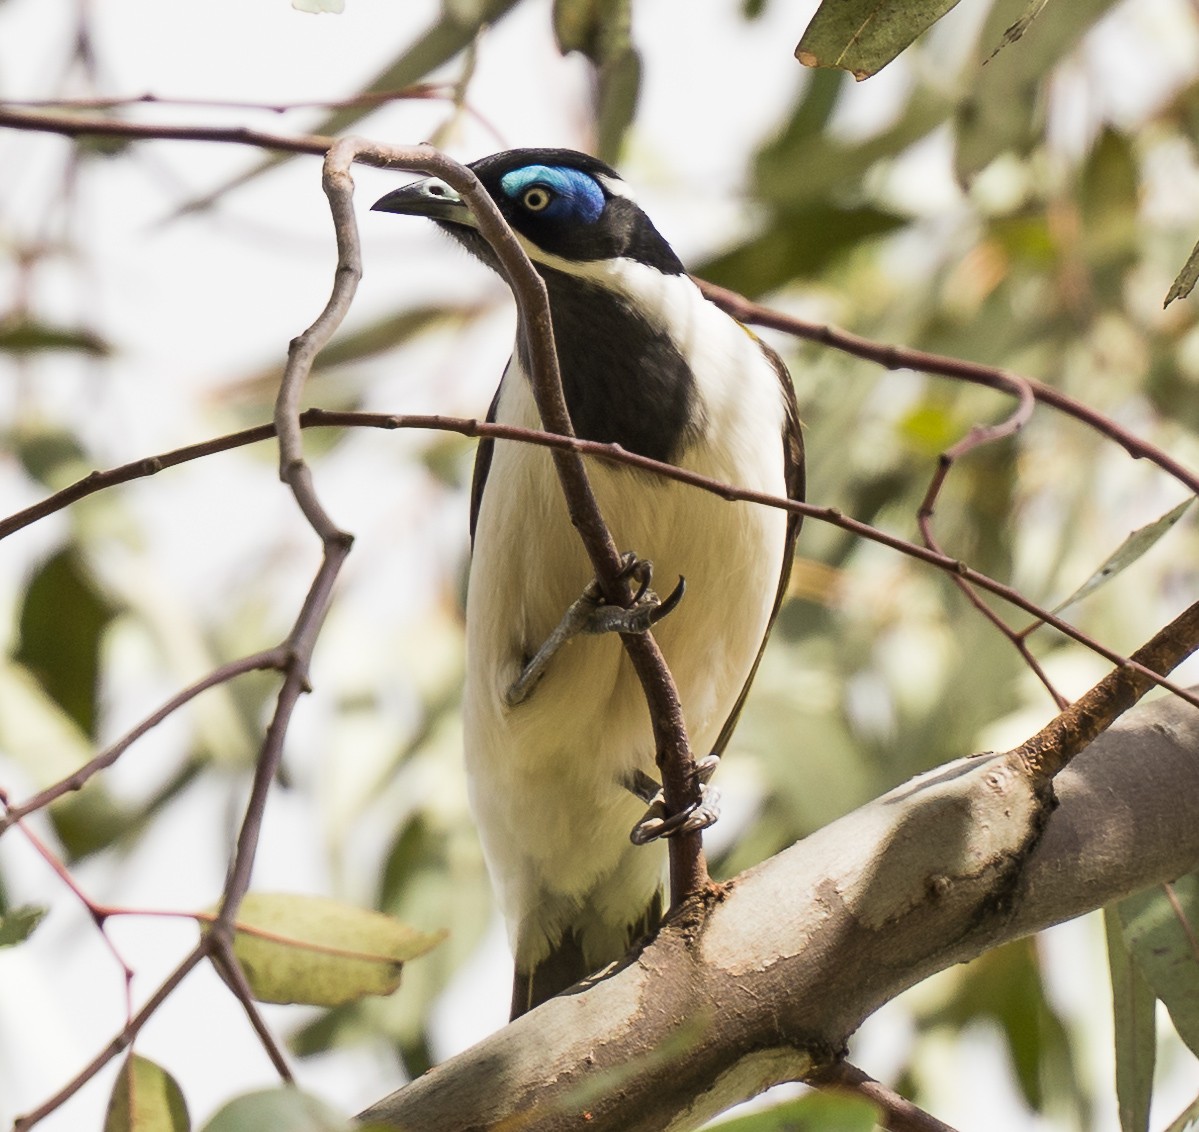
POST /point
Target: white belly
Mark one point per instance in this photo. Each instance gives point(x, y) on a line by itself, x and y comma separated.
point(546, 777)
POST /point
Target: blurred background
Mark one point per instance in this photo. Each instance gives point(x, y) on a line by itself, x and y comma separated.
point(1028, 211)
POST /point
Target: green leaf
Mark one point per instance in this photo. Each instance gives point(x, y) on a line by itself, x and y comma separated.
point(1005, 985)
point(1161, 929)
point(284, 1109)
point(863, 36)
point(1184, 284)
point(1138, 543)
point(602, 31)
point(826, 1111)
point(1004, 109)
point(297, 948)
point(1187, 1120)
point(797, 245)
point(18, 924)
point(1133, 1009)
point(24, 336)
point(63, 618)
point(145, 1098)
point(1014, 31)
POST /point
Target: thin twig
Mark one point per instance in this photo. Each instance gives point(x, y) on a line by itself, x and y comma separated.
point(118, 1044)
point(901, 357)
point(1052, 748)
point(469, 426)
point(269, 658)
point(899, 1114)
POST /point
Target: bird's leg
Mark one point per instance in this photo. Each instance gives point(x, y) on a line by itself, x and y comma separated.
point(590, 614)
point(655, 823)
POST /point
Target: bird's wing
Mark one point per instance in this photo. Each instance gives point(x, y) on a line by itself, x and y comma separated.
point(793, 473)
point(483, 456)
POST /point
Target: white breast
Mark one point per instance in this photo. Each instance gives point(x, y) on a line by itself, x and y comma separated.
point(546, 776)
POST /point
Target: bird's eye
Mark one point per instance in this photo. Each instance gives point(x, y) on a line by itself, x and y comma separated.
point(536, 198)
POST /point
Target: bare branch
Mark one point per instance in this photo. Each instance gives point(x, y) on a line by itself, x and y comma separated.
point(899, 1114)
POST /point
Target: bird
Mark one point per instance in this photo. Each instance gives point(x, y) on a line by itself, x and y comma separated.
point(559, 751)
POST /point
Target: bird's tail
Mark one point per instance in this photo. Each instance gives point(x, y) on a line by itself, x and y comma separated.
point(567, 964)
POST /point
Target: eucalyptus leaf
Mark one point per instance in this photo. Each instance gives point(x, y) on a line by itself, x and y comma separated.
point(146, 1098)
point(1184, 284)
point(1014, 31)
point(1160, 928)
point(1137, 544)
point(310, 949)
point(1187, 1120)
point(285, 1108)
point(63, 619)
point(27, 337)
point(18, 924)
point(826, 1111)
point(1004, 109)
point(1133, 1010)
point(863, 36)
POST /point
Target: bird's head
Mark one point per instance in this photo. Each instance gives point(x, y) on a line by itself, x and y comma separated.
point(567, 208)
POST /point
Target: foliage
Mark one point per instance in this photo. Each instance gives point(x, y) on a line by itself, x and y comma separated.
point(959, 215)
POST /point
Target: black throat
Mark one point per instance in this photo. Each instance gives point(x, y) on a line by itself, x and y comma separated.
point(625, 381)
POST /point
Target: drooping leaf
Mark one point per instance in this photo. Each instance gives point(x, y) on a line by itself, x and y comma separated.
point(796, 245)
point(1014, 31)
point(1187, 1120)
point(1184, 283)
point(1138, 543)
point(1161, 926)
point(63, 618)
point(18, 924)
point(602, 31)
point(826, 1111)
point(285, 1109)
point(25, 336)
point(1005, 986)
point(1004, 109)
point(310, 949)
point(1133, 1010)
point(146, 1098)
point(863, 36)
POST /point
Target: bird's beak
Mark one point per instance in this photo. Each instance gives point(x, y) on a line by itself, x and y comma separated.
point(432, 198)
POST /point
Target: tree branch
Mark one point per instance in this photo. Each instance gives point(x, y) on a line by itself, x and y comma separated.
point(808, 944)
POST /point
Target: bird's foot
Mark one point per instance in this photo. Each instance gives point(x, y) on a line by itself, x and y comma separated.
point(698, 815)
point(590, 614)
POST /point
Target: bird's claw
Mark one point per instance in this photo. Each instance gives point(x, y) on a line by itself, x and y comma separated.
point(590, 614)
point(698, 815)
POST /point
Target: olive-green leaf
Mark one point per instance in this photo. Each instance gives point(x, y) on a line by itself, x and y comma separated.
point(1184, 284)
point(863, 36)
point(1015, 30)
point(817, 1112)
point(18, 924)
point(310, 949)
point(1133, 1011)
point(63, 618)
point(27, 337)
point(284, 1109)
point(1138, 543)
point(146, 1098)
point(1161, 926)
point(1187, 1120)
point(1004, 108)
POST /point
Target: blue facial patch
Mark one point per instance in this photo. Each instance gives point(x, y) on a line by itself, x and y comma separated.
point(576, 195)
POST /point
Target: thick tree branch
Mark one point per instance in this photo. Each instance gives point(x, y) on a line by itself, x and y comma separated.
point(810, 943)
